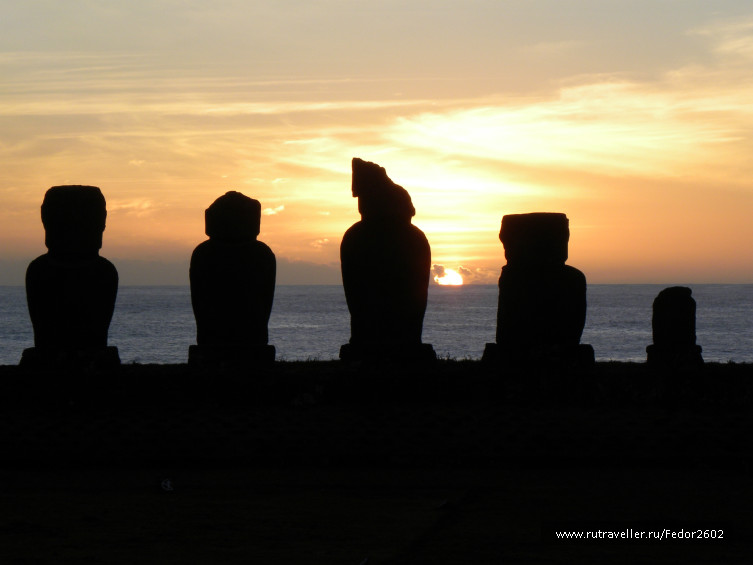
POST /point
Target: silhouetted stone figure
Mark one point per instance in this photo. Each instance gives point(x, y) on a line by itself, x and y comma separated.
point(232, 278)
point(71, 290)
point(385, 264)
point(673, 324)
point(542, 302)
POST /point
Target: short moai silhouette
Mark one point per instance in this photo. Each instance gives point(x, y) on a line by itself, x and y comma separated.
point(71, 290)
point(232, 277)
point(673, 324)
point(385, 262)
point(542, 301)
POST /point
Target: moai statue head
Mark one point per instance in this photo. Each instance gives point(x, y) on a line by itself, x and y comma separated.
point(539, 238)
point(379, 198)
point(233, 217)
point(673, 319)
point(74, 219)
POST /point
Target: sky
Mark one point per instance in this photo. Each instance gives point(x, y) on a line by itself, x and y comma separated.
point(632, 117)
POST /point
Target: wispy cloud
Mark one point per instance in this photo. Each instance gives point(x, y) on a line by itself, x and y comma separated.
point(730, 37)
point(320, 243)
point(138, 207)
point(273, 211)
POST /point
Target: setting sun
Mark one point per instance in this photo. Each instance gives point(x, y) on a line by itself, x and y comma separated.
point(450, 277)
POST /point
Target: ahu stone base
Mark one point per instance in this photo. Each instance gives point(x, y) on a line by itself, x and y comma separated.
point(40, 358)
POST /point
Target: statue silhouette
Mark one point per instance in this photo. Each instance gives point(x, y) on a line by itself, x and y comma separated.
point(385, 263)
point(542, 302)
point(71, 290)
point(673, 324)
point(232, 278)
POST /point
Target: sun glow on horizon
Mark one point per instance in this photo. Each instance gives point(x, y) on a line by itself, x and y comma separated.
point(449, 277)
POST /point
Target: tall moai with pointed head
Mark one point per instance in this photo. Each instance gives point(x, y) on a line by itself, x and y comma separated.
point(232, 277)
point(542, 301)
point(385, 262)
point(673, 325)
point(71, 290)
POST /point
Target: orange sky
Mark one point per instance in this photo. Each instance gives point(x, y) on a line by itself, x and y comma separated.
point(633, 118)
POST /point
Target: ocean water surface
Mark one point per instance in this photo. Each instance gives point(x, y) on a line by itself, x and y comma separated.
point(156, 325)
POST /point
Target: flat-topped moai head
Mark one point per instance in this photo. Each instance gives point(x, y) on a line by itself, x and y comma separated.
point(74, 219)
point(71, 290)
point(232, 278)
point(539, 238)
point(385, 264)
point(542, 301)
point(673, 325)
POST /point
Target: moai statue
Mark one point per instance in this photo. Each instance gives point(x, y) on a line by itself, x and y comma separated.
point(71, 290)
point(542, 302)
point(385, 264)
point(673, 324)
point(232, 278)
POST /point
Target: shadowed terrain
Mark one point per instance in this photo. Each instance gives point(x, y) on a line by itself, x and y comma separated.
point(312, 462)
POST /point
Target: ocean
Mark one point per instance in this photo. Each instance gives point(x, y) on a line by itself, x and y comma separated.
point(155, 324)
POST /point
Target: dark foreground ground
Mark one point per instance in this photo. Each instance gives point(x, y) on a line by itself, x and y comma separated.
point(320, 463)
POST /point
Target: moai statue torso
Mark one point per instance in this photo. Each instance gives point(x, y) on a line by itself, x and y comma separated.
point(542, 301)
point(385, 268)
point(673, 324)
point(71, 290)
point(232, 278)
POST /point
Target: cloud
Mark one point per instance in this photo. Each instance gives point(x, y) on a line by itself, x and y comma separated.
point(319, 243)
point(478, 275)
point(273, 211)
point(138, 207)
point(607, 127)
point(485, 276)
point(731, 37)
